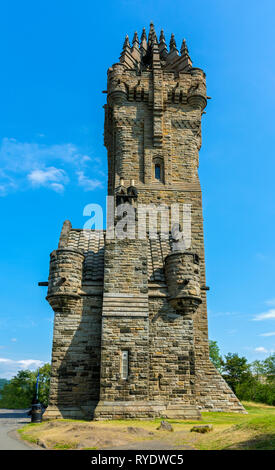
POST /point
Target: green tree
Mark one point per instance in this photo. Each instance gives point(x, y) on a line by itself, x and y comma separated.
point(258, 368)
point(236, 370)
point(214, 354)
point(2, 383)
point(19, 392)
point(44, 383)
point(269, 367)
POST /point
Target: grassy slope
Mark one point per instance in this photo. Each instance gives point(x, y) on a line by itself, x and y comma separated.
point(256, 430)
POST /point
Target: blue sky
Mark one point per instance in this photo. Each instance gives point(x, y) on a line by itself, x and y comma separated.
point(54, 58)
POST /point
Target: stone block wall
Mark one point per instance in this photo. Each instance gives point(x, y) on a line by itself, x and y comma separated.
point(74, 387)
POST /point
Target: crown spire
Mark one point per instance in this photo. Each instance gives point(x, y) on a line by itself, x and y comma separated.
point(161, 37)
point(143, 43)
point(162, 45)
point(135, 49)
point(135, 39)
point(185, 58)
point(126, 55)
point(184, 48)
point(172, 43)
point(152, 52)
point(152, 37)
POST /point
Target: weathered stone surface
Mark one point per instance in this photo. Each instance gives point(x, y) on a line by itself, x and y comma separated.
point(139, 296)
point(202, 428)
point(165, 426)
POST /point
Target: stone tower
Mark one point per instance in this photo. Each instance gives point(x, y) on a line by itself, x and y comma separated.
point(130, 330)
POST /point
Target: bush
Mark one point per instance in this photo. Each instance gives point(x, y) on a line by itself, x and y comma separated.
point(254, 390)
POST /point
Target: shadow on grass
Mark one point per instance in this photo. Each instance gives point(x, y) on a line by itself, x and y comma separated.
point(261, 442)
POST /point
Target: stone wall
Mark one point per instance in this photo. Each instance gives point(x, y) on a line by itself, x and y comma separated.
point(74, 387)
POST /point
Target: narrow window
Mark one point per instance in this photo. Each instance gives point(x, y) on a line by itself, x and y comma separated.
point(125, 365)
point(157, 171)
point(159, 381)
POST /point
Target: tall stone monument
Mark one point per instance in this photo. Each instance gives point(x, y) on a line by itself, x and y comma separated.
point(130, 330)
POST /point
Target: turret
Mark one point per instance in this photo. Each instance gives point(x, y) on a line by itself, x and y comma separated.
point(182, 273)
point(65, 277)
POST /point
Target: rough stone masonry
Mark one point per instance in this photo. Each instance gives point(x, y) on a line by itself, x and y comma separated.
point(130, 329)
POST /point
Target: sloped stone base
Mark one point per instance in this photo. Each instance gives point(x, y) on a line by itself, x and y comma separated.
point(213, 393)
point(145, 410)
point(69, 412)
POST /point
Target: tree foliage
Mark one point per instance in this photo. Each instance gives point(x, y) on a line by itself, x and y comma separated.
point(235, 370)
point(215, 356)
point(250, 382)
point(20, 390)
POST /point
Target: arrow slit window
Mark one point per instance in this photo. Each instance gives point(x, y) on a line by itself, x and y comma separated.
point(124, 364)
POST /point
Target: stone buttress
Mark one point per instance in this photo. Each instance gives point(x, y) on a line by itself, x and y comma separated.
point(131, 332)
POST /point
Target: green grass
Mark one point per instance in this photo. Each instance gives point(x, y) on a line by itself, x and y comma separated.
point(25, 436)
point(255, 430)
point(65, 445)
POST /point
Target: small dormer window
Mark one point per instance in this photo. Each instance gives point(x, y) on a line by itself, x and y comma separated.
point(158, 170)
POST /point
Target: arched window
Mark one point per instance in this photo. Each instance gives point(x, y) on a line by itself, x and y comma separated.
point(158, 169)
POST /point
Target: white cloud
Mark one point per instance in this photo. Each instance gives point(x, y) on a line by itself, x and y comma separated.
point(271, 333)
point(270, 314)
point(270, 302)
point(261, 349)
point(43, 165)
point(86, 183)
point(53, 178)
point(25, 156)
point(9, 367)
point(13, 340)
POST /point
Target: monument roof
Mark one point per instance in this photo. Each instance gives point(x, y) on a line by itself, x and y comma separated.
point(152, 53)
point(92, 243)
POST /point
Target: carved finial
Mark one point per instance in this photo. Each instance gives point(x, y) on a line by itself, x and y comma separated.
point(143, 35)
point(152, 37)
point(135, 49)
point(161, 37)
point(172, 43)
point(185, 58)
point(143, 43)
point(126, 42)
point(135, 39)
point(162, 45)
point(184, 48)
point(126, 57)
